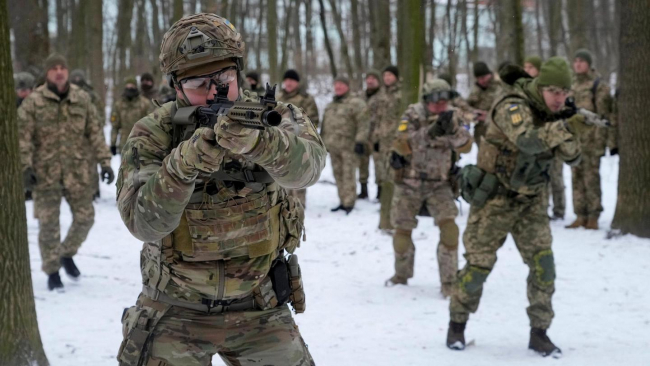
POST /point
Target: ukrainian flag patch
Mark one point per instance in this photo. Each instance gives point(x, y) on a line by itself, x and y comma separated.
point(515, 114)
point(403, 125)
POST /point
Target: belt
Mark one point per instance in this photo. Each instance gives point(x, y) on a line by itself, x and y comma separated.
point(207, 305)
point(244, 175)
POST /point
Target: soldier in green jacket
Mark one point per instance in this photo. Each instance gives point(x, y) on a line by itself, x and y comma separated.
point(506, 191)
point(126, 111)
point(215, 216)
point(482, 97)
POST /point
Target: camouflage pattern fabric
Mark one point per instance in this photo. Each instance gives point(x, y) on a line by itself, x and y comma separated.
point(364, 164)
point(378, 110)
point(101, 119)
point(124, 115)
point(191, 338)
point(154, 191)
point(426, 182)
point(514, 134)
point(345, 122)
point(466, 112)
point(586, 175)
point(151, 94)
point(556, 188)
point(61, 172)
point(385, 134)
point(305, 101)
point(483, 99)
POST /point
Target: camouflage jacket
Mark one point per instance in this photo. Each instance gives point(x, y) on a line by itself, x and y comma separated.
point(151, 94)
point(377, 111)
point(124, 115)
point(54, 134)
point(483, 98)
point(465, 111)
point(345, 122)
point(429, 159)
point(206, 238)
point(98, 103)
point(386, 127)
point(598, 138)
point(519, 146)
point(301, 100)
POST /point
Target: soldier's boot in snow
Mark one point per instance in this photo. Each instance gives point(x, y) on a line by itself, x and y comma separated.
point(347, 209)
point(592, 223)
point(540, 343)
point(396, 280)
point(456, 336)
point(580, 222)
point(557, 217)
point(70, 268)
point(339, 207)
point(364, 191)
point(54, 281)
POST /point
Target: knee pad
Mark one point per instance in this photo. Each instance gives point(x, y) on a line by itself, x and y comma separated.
point(472, 279)
point(402, 242)
point(544, 268)
point(449, 234)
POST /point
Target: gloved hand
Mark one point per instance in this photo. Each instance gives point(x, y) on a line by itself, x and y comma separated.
point(359, 149)
point(397, 161)
point(107, 174)
point(29, 178)
point(613, 151)
point(576, 124)
point(235, 137)
point(444, 125)
point(201, 151)
point(113, 150)
point(376, 146)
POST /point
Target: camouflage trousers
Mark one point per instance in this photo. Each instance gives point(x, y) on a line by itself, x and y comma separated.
point(344, 165)
point(527, 221)
point(48, 204)
point(585, 179)
point(557, 187)
point(364, 165)
point(380, 161)
point(185, 337)
point(438, 198)
point(300, 194)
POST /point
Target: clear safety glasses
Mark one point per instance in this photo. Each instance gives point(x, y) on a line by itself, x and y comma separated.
point(222, 77)
point(437, 96)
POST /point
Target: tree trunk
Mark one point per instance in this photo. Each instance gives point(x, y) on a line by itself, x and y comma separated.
point(31, 36)
point(510, 44)
point(401, 22)
point(209, 6)
point(260, 31)
point(338, 21)
point(178, 11)
point(356, 40)
point(328, 45)
point(272, 37)
point(223, 8)
point(77, 49)
point(310, 59)
point(412, 59)
point(20, 339)
point(380, 21)
point(124, 17)
point(633, 206)
point(431, 35)
point(475, 37)
point(155, 26)
point(538, 27)
point(61, 25)
point(297, 41)
point(95, 49)
point(140, 50)
point(578, 24)
point(285, 40)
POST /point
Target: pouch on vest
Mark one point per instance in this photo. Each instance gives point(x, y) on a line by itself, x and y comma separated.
point(531, 171)
point(486, 190)
point(243, 226)
point(280, 279)
point(138, 322)
point(292, 217)
point(297, 290)
point(470, 178)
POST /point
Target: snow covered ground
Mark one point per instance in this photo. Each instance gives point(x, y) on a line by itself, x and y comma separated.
point(602, 301)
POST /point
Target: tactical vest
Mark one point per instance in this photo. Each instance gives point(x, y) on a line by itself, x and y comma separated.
point(517, 171)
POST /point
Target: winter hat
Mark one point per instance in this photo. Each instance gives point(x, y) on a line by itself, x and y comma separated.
point(555, 72)
point(130, 80)
point(23, 80)
point(481, 69)
point(291, 74)
point(146, 76)
point(584, 54)
point(253, 75)
point(393, 70)
point(535, 61)
point(343, 79)
point(55, 59)
point(374, 73)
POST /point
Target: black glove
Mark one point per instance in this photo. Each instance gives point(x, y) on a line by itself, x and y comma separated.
point(397, 161)
point(107, 174)
point(113, 150)
point(376, 146)
point(29, 179)
point(359, 148)
point(613, 151)
point(443, 126)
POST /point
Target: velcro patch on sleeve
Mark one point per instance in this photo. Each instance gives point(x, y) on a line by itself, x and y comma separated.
point(403, 125)
point(515, 114)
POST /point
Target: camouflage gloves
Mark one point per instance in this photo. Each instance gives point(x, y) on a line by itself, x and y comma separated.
point(201, 152)
point(107, 174)
point(29, 179)
point(235, 137)
point(576, 124)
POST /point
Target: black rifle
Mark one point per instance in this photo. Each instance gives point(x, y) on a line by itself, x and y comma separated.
point(591, 118)
point(249, 114)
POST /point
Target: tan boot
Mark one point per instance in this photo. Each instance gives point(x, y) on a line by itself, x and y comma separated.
point(580, 221)
point(592, 223)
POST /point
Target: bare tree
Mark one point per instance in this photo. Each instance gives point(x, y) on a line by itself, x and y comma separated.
point(633, 205)
point(95, 47)
point(310, 60)
point(413, 50)
point(178, 11)
point(510, 42)
point(338, 21)
point(578, 24)
point(19, 335)
point(297, 41)
point(272, 34)
point(356, 40)
point(260, 32)
point(328, 45)
point(288, 6)
point(29, 19)
point(123, 44)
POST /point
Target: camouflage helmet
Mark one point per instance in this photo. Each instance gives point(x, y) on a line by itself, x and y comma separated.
point(197, 40)
point(435, 85)
point(23, 80)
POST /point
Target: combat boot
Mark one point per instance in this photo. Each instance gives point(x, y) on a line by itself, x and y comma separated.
point(557, 217)
point(456, 336)
point(396, 280)
point(339, 207)
point(580, 221)
point(70, 268)
point(347, 209)
point(592, 223)
point(540, 343)
point(54, 281)
point(364, 191)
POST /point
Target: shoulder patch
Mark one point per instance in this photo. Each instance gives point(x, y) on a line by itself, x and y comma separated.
point(403, 125)
point(515, 114)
